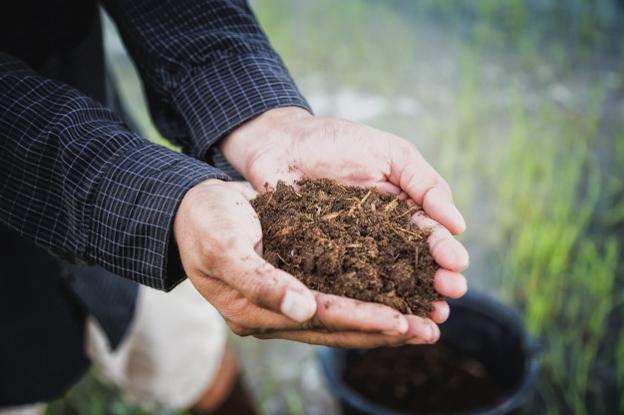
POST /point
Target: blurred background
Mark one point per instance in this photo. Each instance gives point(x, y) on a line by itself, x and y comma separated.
point(520, 105)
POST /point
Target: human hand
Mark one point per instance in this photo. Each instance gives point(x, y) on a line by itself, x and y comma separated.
point(289, 144)
point(219, 238)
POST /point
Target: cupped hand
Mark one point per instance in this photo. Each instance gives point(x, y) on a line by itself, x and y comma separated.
point(219, 238)
point(289, 144)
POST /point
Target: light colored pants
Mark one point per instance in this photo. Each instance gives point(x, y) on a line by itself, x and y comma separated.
point(169, 357)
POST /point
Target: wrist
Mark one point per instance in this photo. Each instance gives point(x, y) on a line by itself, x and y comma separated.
point(183, 218)
point(274, 127)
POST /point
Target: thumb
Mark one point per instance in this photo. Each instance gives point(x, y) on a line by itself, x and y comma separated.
point(270, 288)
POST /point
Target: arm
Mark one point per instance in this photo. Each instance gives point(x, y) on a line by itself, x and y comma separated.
point(206, 67)
point(78, 183)
point(209, 71)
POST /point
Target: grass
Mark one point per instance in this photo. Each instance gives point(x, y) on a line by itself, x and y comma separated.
point(520, 104)
point(92, 397)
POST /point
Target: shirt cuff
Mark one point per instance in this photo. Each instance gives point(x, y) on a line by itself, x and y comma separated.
point(216, 99)
point(133, 211)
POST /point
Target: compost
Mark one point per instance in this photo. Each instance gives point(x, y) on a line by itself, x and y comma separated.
point(427, 379)
point(349, 241)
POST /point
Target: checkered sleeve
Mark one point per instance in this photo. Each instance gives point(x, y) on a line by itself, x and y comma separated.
point(206, 65)
point(78, 183)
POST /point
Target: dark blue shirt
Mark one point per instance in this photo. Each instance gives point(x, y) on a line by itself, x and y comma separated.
point(77, 182)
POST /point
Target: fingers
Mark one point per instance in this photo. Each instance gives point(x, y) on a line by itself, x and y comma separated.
point(421, 330)
point(333, 314)
point(265, 324)
point(437, 202)
point(387, 187)
point(450, 284)
point(229, 254)
point(243, 317)
point(440, 312)
point(448, 252)
point(267, 286)
point(342, 339)
point(424, 185)
point(340, 313)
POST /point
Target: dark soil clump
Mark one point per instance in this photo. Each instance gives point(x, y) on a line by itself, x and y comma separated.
point(349, 241)
point(422, 380)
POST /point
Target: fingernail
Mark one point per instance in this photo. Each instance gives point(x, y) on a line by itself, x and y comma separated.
point(426, 335)
point(402, 327)
point(297, 306)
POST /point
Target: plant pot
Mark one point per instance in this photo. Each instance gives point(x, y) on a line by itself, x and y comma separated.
point(479, 328)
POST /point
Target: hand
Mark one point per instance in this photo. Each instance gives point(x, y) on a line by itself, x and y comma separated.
point(219, 236)
point(289, 143)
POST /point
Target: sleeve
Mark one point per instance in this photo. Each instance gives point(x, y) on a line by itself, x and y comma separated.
point(74, 180)
point(206, 65)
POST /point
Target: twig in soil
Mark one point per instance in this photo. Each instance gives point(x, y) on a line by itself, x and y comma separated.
point(364, 198)
point(391, 206)
point(282, 259)
point(404, 213)
point(270, 228)
point(359, 203)
point(283, 232)
point(403, 232)
point(330, 216)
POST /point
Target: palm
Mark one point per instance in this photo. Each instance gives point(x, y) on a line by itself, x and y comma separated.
point(295, 144)
point(349, 159)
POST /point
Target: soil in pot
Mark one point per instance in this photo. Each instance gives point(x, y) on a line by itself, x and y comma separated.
point(349, 241)
point(429, 379)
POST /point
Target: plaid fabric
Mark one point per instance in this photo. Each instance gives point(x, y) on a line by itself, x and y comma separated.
point(78, 183)
point(206, 66)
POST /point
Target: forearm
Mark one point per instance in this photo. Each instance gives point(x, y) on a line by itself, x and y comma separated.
point(207, 68)
point(78, 183)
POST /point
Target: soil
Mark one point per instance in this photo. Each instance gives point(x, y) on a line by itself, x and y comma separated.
point(428, 379)
point(349, 241)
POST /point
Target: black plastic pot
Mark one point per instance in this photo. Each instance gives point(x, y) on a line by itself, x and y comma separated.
point(479, 327)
